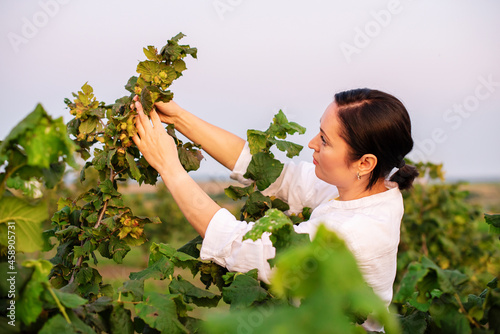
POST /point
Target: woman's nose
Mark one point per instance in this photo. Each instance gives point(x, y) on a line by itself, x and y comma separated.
point(312, 143)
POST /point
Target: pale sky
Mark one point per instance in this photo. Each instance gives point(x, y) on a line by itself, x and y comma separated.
point(441, 58)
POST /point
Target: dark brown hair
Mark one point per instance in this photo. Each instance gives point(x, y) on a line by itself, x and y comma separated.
point(374, 122)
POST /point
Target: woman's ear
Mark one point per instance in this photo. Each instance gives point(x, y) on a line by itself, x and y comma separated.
point(366, 164)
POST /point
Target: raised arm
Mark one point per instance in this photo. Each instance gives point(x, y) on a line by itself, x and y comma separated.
point(222, 145)
point(160, 151)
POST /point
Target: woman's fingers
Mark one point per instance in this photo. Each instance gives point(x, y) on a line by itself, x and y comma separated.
point(137, 140)
point(139, 126)
point(138, 106)
point(156, 119)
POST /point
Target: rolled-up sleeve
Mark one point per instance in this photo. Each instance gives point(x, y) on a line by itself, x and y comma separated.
point(223, 244)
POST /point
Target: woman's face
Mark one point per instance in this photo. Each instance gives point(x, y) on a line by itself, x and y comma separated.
point(330, 151)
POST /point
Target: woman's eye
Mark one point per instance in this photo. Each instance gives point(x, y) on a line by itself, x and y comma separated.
point(323, 140)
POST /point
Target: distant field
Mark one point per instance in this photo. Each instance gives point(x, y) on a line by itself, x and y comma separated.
point(210, 187)
point(485, 194)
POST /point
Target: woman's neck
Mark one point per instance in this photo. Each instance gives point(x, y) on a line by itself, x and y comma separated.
point(360, 191)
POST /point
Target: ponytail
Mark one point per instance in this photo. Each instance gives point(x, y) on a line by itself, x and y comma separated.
point(404, 176)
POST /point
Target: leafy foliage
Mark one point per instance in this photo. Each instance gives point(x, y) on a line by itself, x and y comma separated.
point(264, 168)
point(316, 286)
point(34, 154)
point(97, 219)
point(438, 222)
point(159, 71)
point(431, 302)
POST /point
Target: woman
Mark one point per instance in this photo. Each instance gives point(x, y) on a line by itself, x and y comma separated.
point(364, 134)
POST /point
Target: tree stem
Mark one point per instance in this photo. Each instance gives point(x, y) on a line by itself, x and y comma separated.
point(59, 305)
point(462, 308)
point(99, 221)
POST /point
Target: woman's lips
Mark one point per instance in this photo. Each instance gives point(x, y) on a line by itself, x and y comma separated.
point(315, 162)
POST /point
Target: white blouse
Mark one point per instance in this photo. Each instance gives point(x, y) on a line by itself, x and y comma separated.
point(370, 225)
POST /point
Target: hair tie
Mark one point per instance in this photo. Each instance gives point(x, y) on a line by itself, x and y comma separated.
point(401, 164)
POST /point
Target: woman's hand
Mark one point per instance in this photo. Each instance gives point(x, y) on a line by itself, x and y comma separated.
point(156, 145)
point(169, 112)
point(160, 151)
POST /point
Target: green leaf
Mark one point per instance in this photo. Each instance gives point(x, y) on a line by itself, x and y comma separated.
point(88, 126)
point(151, 53)
point(53, 174)
point(190, 157)
point(131, 84)
point(273, 222)
point(57, 324)
point(281, 127)
point(27, 218)
point(31, 188)
point(281, 228)
point(408, 285)
point(178, 258)
point(101, 304)
point(88, 280)
point(257, 204)
point(159, 312)
point(280, 205)
point(43, 139)
point(237, 193)
point(152, 94)
point(494, 222)
point(263, 169)
point(160, 270)
point(212, 273)
point(191, 248)
point(179, 65)
point(192, 51)
point(193, 294)
point(172, 50)
point(414, 323)
point(448, 318)
point(231, 275)
point(85, 249)
point(492, 219)
point(148, 70)
point(29, 305)
point(118, 249)
point(290, 148)
point(107, 188)
point(134, 170)
point(120, 320)
point(178, 37)
point(133, 287)
point(100, 160)
point(243, 292)
point(69, 300)
point(257, 141)
point(436, 278)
